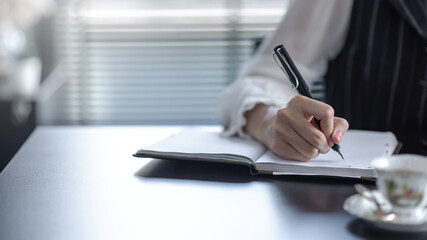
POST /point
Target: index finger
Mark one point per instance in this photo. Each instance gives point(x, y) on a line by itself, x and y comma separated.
point(321, 111)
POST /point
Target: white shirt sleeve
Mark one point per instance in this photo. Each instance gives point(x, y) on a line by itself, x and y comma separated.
point(313, 31)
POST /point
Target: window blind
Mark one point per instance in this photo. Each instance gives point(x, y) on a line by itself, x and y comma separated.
point(150, 62)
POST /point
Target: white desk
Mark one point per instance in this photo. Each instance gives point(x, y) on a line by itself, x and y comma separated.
point(83, 183)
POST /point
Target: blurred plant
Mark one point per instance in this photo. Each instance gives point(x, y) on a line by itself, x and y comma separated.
point(25, 13)
point(19, 65)
point(16, 17)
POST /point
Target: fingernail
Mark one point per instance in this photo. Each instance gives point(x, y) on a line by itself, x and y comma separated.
point(338, 135)
point(330, 143)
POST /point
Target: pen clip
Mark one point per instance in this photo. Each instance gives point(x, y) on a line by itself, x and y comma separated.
point(279, 59)
point(280, 65)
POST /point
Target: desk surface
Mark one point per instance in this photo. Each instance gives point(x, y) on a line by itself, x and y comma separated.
point(83, 183)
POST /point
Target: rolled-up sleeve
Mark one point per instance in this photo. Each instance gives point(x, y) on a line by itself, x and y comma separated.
point(313, 31)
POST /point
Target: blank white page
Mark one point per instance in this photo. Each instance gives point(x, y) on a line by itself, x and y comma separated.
point(358, 147)
point(197, 140)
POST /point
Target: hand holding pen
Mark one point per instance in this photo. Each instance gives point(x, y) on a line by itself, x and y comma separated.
point(291, 132)
point(315, 115)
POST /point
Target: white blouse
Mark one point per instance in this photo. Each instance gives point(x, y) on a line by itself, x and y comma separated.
point(313, 31)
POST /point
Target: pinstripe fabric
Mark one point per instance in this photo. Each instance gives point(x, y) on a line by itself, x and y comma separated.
point(414, 12)
point(379, 79)
point(391, 99)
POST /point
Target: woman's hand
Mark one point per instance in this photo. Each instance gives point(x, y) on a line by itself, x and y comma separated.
point(291, 132)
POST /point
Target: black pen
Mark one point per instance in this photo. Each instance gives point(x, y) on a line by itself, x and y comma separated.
point(287, 65)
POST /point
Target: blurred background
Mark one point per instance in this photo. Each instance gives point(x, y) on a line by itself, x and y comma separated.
point(128, 62)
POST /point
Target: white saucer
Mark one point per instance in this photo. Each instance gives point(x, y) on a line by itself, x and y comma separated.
point(365, 209)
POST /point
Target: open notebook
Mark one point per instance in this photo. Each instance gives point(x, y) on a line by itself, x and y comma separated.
point(358, 147)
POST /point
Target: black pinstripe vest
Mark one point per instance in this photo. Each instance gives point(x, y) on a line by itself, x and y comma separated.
point(379, 79)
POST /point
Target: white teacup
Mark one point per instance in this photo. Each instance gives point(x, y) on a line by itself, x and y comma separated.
point(402, 179)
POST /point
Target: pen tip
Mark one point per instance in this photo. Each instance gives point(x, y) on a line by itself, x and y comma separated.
point(336, 148)
point(339, 152)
